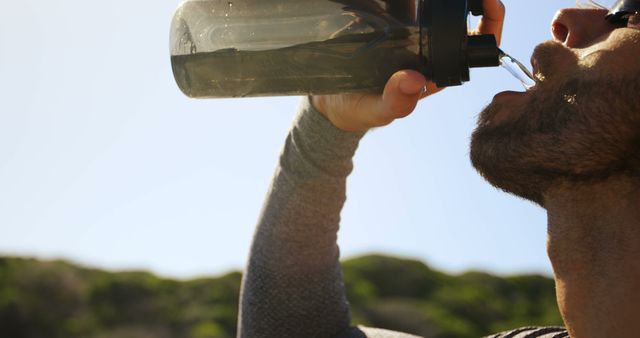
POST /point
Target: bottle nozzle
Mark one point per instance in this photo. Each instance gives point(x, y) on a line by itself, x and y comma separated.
point(483, 51)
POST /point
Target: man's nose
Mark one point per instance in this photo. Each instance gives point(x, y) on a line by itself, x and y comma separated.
point(579, 27)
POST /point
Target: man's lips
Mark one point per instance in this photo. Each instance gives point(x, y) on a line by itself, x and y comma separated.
point(509, 103)
point(508, 94)
point(514, 96)
point(535, 68)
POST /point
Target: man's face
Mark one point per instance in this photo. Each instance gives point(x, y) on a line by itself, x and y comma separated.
point(580, 122)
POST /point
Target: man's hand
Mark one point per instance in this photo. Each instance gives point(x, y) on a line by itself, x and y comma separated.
point(360, 112)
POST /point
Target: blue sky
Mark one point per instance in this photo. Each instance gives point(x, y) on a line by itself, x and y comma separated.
point(103, 161)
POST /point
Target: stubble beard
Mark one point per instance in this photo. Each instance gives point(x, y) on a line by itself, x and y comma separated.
point(576, 129)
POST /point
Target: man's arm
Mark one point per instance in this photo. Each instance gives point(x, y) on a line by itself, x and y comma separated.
point(293, 284)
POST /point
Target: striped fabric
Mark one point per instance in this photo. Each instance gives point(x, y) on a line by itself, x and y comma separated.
point(534, 332)
point(525, 332)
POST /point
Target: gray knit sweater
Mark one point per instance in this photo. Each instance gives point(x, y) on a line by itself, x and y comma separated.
point(293, 285)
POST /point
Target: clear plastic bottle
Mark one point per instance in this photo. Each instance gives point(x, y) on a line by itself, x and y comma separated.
point(238, 48)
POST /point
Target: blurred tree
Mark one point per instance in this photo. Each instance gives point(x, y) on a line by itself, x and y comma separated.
point(58, 299)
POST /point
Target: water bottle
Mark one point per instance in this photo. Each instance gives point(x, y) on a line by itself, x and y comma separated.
point(240, 48)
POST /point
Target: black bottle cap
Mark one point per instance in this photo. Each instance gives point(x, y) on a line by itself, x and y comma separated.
point(445, 22)
point(482, 51)
point(448, 49)
point(475, 7)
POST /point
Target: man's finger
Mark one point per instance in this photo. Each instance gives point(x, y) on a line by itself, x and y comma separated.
point(401, 95)
point(430, 89)
point(493, 19)
point(399, 99)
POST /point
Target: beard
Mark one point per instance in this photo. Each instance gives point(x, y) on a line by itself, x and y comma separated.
point(579, 126)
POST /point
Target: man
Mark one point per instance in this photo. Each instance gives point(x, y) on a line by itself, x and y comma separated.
point(570, 144)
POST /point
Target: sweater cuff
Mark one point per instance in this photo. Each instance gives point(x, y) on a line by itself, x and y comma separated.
point(316, 147)
point(321, 138)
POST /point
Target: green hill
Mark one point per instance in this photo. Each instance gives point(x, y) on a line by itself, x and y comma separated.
point(58, 299)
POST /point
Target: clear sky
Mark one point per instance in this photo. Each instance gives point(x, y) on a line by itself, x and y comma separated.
point(104, 161)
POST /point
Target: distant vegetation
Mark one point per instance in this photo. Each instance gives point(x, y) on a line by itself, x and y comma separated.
point(60, 300)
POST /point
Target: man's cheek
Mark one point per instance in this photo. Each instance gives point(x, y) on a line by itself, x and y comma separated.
point(621, 48)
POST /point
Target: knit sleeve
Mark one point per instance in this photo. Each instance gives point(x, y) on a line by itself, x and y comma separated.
point(293, 283)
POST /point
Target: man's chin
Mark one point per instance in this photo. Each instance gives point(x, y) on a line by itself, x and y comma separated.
point(501, 143)
point(524, 143)
point(500, 164)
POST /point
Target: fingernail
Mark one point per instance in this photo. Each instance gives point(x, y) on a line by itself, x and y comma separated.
point(411, 87)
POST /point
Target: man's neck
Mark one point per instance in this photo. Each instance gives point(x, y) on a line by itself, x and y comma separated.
point(594, 247)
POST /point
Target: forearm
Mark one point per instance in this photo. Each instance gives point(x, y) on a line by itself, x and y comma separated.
point(293, 285)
